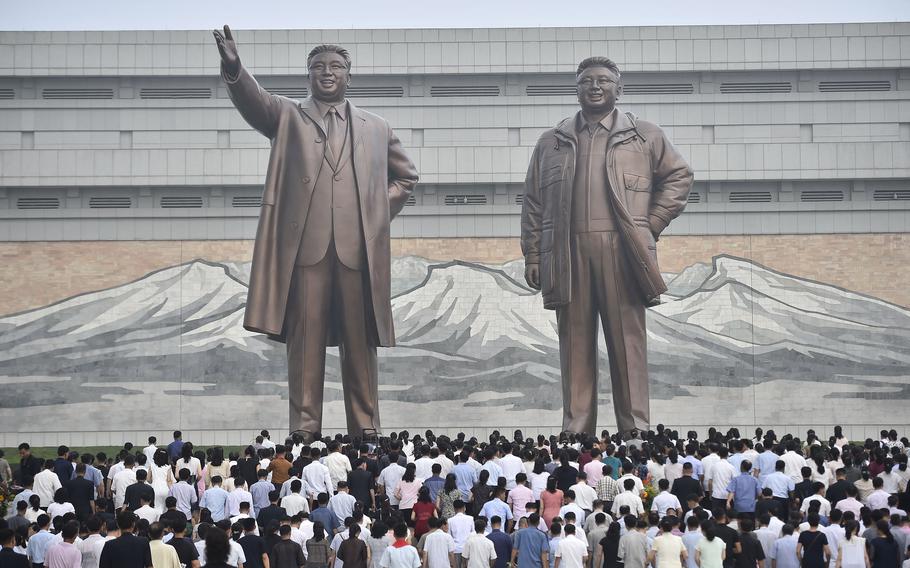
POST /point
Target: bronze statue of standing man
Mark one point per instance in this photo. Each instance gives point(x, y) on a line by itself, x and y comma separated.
point(600, 189)
point(321, 273)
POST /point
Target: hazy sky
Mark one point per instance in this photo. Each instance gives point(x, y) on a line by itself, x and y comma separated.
point(272, 14)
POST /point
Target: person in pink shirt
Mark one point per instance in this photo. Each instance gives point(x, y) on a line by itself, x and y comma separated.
point(594, 468)
point(65, 554)
point(520, 496)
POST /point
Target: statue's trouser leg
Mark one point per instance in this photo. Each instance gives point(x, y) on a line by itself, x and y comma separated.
point(602, 284)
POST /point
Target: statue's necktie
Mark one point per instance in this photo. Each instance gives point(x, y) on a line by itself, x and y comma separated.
point(335, 133)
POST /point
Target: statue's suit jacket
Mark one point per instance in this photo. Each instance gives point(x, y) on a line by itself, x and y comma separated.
point(384, 176)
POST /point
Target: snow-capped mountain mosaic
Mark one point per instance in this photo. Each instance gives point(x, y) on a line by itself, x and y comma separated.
point(733, 343)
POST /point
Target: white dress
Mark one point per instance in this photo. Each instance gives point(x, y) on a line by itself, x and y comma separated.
point(852, 553)
point(162, 477)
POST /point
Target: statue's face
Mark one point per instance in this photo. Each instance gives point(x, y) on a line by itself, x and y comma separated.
point(329, 76)
point(598, 89)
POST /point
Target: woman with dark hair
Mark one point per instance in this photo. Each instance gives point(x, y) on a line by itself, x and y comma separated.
point(421, 513)
point(839, 440)
point(407, 490)
point(189, 461)
point(445, 500)
point(217, 465)
point(672, 467)
point(565, 474)
point(884, 551)
point(537, 479)
point(217, 549)
point(851, 550)
point(608, 548)
point(710, 551)
point(161, 478)
point(550, 502)
point(377, 541)
point(34, 508)
point(353, 551)
point(248, 466)
point(60, 506)
point(481, 492)
point(319, 553)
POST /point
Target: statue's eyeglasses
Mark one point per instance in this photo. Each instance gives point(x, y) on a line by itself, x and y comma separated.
point(601, 82)
point(320, 67)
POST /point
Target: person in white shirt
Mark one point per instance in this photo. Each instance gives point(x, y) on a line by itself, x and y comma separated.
point(237, 496)
point(123, 480)
point(478, 550)
point(572, 552)
point(585, 495)
point(824, 505)
point(722, 473)
point(765, 534)
point(316, 477)
point(294, 502)
point(627, 474)
point(91, 546)
point(389, 477)
point(707, 463)
point(628, 498)
point(667, 549)
point(665, 502)
point(244, 514)
point(342, 503)
point(443, 460)
point(338, 464)
point(511, 466)
point(146, 511)
point(150, 450)
point(573, 507)
point(793, 462)
point(438, 547)
point(424, 464)
point(878, 499)
point(46, 483)
point(460, 527)
point(235, 556)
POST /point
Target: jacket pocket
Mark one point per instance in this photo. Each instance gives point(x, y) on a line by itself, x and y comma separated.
point(546, 240)
point(635, 182)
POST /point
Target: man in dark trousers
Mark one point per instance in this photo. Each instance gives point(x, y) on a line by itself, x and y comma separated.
point(321, 271)
point(601, 188)
point(81, 493)
point(127, 550)
point(685, 486)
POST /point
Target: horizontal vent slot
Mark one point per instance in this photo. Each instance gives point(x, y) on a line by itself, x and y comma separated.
point(412, 200)
point(7, 94)
point(38, 203)
point(750, 197)
point(77, 93)
point(519, 199)
point(694, 197)
point(473, 199)
point(183, 93)
point(289, 92)
point(375, 92)
point(853, 86)
point(658, 89)
point(822, 195)
point(246, 201)
point(731, 88)
point(891, 194)
point(465, 91)
point(181, 202)
point(550, 90)
point(112, 202)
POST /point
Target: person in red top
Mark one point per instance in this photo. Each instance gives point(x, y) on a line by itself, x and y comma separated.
point(424, 510)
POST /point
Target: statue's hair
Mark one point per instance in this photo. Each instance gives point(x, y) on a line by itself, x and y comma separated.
point(597, 61)
point(324, 48)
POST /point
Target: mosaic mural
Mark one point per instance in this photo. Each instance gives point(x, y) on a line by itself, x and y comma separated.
point(732, 342)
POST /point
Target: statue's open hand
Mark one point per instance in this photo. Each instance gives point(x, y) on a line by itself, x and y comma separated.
point(532, 275)
point(228, 50)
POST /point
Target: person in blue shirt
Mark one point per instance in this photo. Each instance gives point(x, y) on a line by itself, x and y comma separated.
point(743, 490)
point(325, 515)
point(215, 500)
point(502, 543)
point(175, 447)
point(531, 547)
point(435, 482)
point(497, 507)
point(465, 475)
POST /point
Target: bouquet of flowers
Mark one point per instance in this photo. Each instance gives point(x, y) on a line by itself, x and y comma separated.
point(648, 494)
point(5, 499)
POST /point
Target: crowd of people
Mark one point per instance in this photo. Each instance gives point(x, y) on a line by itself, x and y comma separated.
point(569, 501)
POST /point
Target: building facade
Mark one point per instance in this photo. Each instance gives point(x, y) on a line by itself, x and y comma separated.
point(130, 187)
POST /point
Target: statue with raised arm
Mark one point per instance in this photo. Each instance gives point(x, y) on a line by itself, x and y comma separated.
point(337, 175)
point(601, 187)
